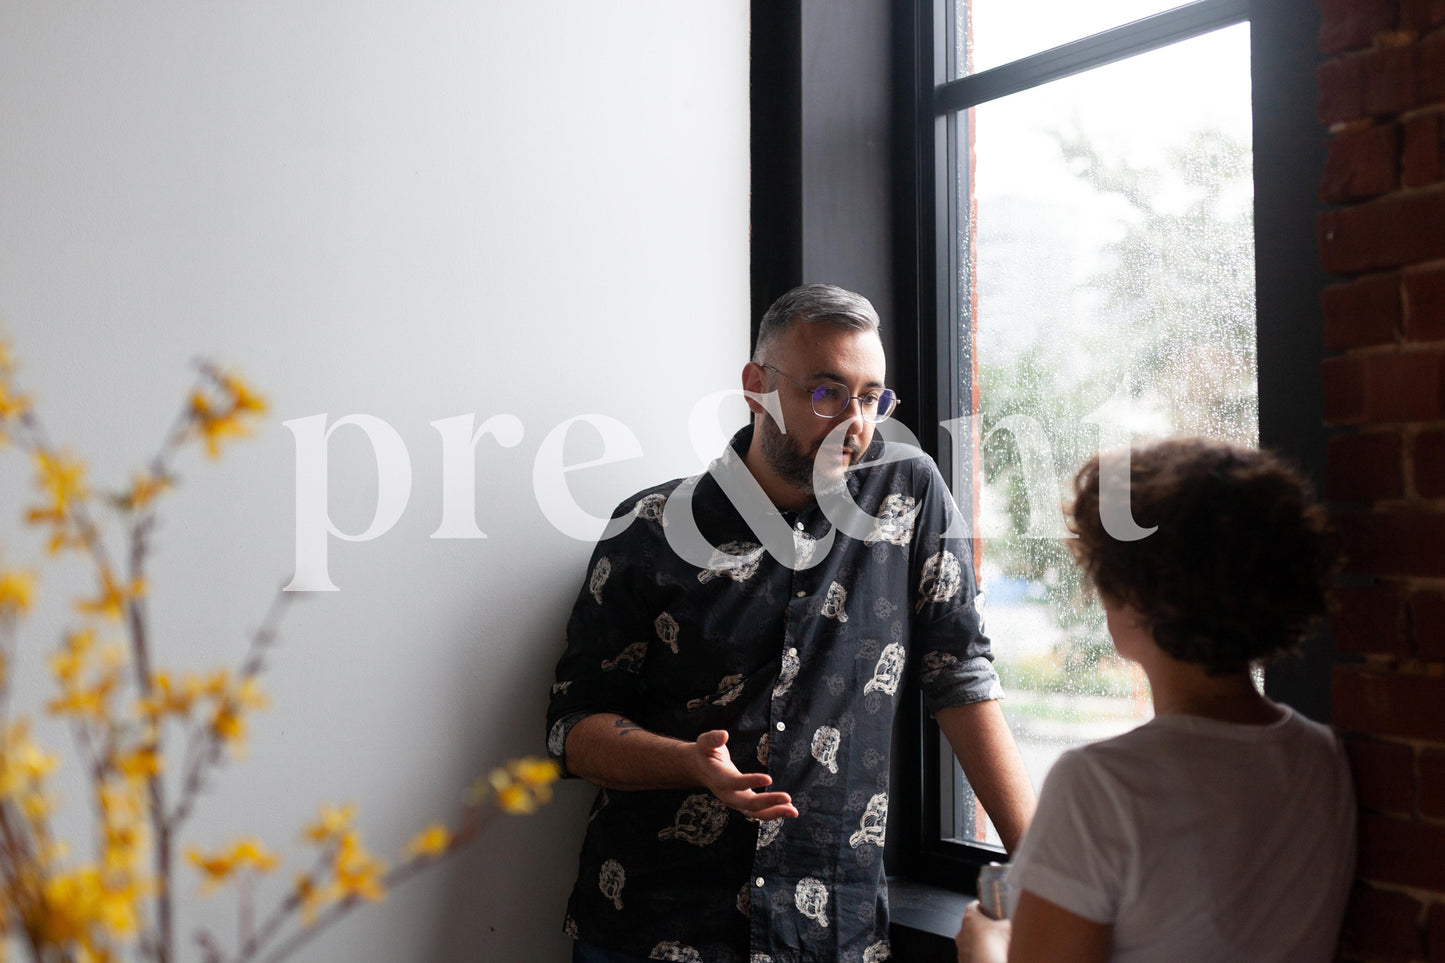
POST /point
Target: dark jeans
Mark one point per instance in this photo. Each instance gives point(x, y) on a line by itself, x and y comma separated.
point(587, 953)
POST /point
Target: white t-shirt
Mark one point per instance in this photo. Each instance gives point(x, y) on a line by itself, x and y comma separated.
point(1199, 840)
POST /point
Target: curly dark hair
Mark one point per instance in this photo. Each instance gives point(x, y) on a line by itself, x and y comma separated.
point(1239, 566)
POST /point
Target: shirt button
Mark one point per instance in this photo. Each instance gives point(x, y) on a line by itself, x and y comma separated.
point(758, 881)
point(799, 526)
point(802, 595)
point(781, 727)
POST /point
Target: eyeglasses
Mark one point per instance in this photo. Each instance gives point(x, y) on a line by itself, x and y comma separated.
point(831, 399)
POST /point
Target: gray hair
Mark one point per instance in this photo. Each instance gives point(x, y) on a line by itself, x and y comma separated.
point(814, 304)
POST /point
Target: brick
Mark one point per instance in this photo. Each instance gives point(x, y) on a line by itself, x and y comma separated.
point(1378, 703)
point(1422, 160)
point(1351, 25)
point(1408, 853)
point(1423, 304)
point(1364, 468)
point(1427, 623)
point(1384, 775)
point(1391, 80)
point(1363, 313)
point(1384, 388)
point(1362, 164)
point(1432, 783)
point(1382, 926)
point(1344, 390)
point(1342, 90)
point(1432, 70)
point(1369, 618)
point(1429, 474)
point(1392, 231)
point(1405, 386)
point(1393, 544)
point(1435, 934)
point(1420, 15)
point(1426, 612)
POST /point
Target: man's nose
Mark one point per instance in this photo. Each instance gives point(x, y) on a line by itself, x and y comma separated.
point(853, 412)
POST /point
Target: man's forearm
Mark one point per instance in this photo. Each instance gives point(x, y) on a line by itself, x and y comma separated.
point(610, 750)
point(614, 752)
point(985, 748)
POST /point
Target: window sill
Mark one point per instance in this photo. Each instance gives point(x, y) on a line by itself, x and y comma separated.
point(924, 920)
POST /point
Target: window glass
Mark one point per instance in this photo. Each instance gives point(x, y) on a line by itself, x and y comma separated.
point(1005, 30)
point(1107, 285)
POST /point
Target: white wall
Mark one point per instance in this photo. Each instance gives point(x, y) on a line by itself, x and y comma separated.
point(413, 210)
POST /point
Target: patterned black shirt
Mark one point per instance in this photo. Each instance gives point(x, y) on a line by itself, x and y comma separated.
point(802, 660)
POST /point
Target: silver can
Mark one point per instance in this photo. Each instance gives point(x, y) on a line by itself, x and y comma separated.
point(993, 890)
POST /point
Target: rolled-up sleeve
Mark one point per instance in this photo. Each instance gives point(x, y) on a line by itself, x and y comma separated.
point(607, 638)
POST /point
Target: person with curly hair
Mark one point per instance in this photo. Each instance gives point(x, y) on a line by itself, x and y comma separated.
point(1224, 828)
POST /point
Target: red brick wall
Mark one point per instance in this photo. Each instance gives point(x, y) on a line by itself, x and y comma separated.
point(1382, 236)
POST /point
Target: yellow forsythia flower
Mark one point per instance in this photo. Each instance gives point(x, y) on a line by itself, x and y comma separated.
point(243, 398)
point(140, 763)
point(67, 664)
point(535, 772)
point(17, 590)
point(119, 801)
point(243, 854)
point(143, 490)
point(124, 823)
point(232, 700)
point(524, 784)
point(113, 597)
point(72, 906)
point(79, 699)
point(215, 420)
point(12, 405)
point(61, 477)
point(432, 841)
point(515, 799)
point(120, 909)
point(168, 699)
point(358, 872)
point(249, 851)
point(216, 867)
point(23, 764)
point(85, 908)
point(332, 823)
point(216, 429)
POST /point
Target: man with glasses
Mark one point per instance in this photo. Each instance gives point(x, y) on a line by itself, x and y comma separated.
point(736, 704)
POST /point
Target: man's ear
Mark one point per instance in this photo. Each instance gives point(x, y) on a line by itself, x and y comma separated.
point(753, 385)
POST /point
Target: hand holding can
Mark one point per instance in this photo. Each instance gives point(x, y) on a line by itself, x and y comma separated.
point(993, 890)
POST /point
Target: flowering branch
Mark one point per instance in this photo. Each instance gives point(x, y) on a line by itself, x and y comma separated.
point(120, 706)
point(206, 745)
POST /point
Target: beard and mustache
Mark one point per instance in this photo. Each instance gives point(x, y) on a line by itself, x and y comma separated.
point(796, 466)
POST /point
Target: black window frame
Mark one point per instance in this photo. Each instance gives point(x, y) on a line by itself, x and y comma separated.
point(1287, 283)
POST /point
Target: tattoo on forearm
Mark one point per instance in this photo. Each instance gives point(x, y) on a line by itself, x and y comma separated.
point(626, 726)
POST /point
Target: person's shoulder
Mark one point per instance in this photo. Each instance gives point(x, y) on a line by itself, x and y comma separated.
point(1113, 755)
point(1082, 774)
point(647, 505)
point(1294, 720)
point(1307, 732)
point(1120, 773)
point(649, 502)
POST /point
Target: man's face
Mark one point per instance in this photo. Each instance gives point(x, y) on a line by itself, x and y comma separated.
point(811, 354)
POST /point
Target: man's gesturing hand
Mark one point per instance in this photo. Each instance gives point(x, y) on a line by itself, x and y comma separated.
point(735, 788)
